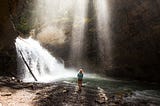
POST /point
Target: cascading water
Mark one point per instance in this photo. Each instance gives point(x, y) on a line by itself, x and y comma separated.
point(43, 65)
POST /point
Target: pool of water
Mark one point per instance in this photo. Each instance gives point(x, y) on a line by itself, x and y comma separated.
point(148, 93)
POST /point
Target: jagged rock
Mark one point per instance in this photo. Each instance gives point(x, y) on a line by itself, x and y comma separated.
point(102, 98)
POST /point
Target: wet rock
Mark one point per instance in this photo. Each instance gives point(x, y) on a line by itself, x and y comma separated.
point(12, 78)
point(102, 98)
point(112, 104)
point(19, 81)
point(32, 86)
point(100, 101)
point(65, 91)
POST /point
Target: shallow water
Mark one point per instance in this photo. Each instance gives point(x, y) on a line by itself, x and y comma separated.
point(146, 93)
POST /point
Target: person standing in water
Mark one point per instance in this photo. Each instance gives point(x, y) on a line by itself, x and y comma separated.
point(80, 78)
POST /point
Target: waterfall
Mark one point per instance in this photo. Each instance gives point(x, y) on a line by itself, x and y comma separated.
point(44, 66)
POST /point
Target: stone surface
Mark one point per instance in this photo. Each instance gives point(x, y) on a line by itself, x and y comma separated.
point(7, 39)
point(135, 39)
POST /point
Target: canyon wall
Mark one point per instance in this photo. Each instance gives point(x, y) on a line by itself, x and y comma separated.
point(135, 28)
point(7, 37)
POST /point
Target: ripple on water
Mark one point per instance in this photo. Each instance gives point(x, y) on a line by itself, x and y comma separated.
point(150, 97)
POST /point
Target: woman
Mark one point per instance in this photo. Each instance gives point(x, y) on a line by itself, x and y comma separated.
point(80, 78)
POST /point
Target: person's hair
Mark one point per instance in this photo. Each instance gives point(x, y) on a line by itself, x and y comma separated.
point(81, 70)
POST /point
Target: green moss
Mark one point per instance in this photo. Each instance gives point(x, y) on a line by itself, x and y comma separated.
point(24, 25)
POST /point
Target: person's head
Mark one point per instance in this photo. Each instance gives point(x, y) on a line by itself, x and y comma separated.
point(81, 70)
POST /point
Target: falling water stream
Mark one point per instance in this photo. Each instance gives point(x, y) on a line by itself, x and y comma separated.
point(44, 66)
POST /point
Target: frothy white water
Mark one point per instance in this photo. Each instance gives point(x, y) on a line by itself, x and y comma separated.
point(44, 66)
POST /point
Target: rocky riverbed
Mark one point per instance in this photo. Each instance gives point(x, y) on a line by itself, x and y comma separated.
point(14, 92)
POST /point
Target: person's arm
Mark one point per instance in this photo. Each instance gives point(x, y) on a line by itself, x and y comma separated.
point(78, 75)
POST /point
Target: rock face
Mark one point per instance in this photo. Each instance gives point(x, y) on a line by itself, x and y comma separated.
point(135, 28)
point(20, 11)
point(7, 36)
point(91, 55)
